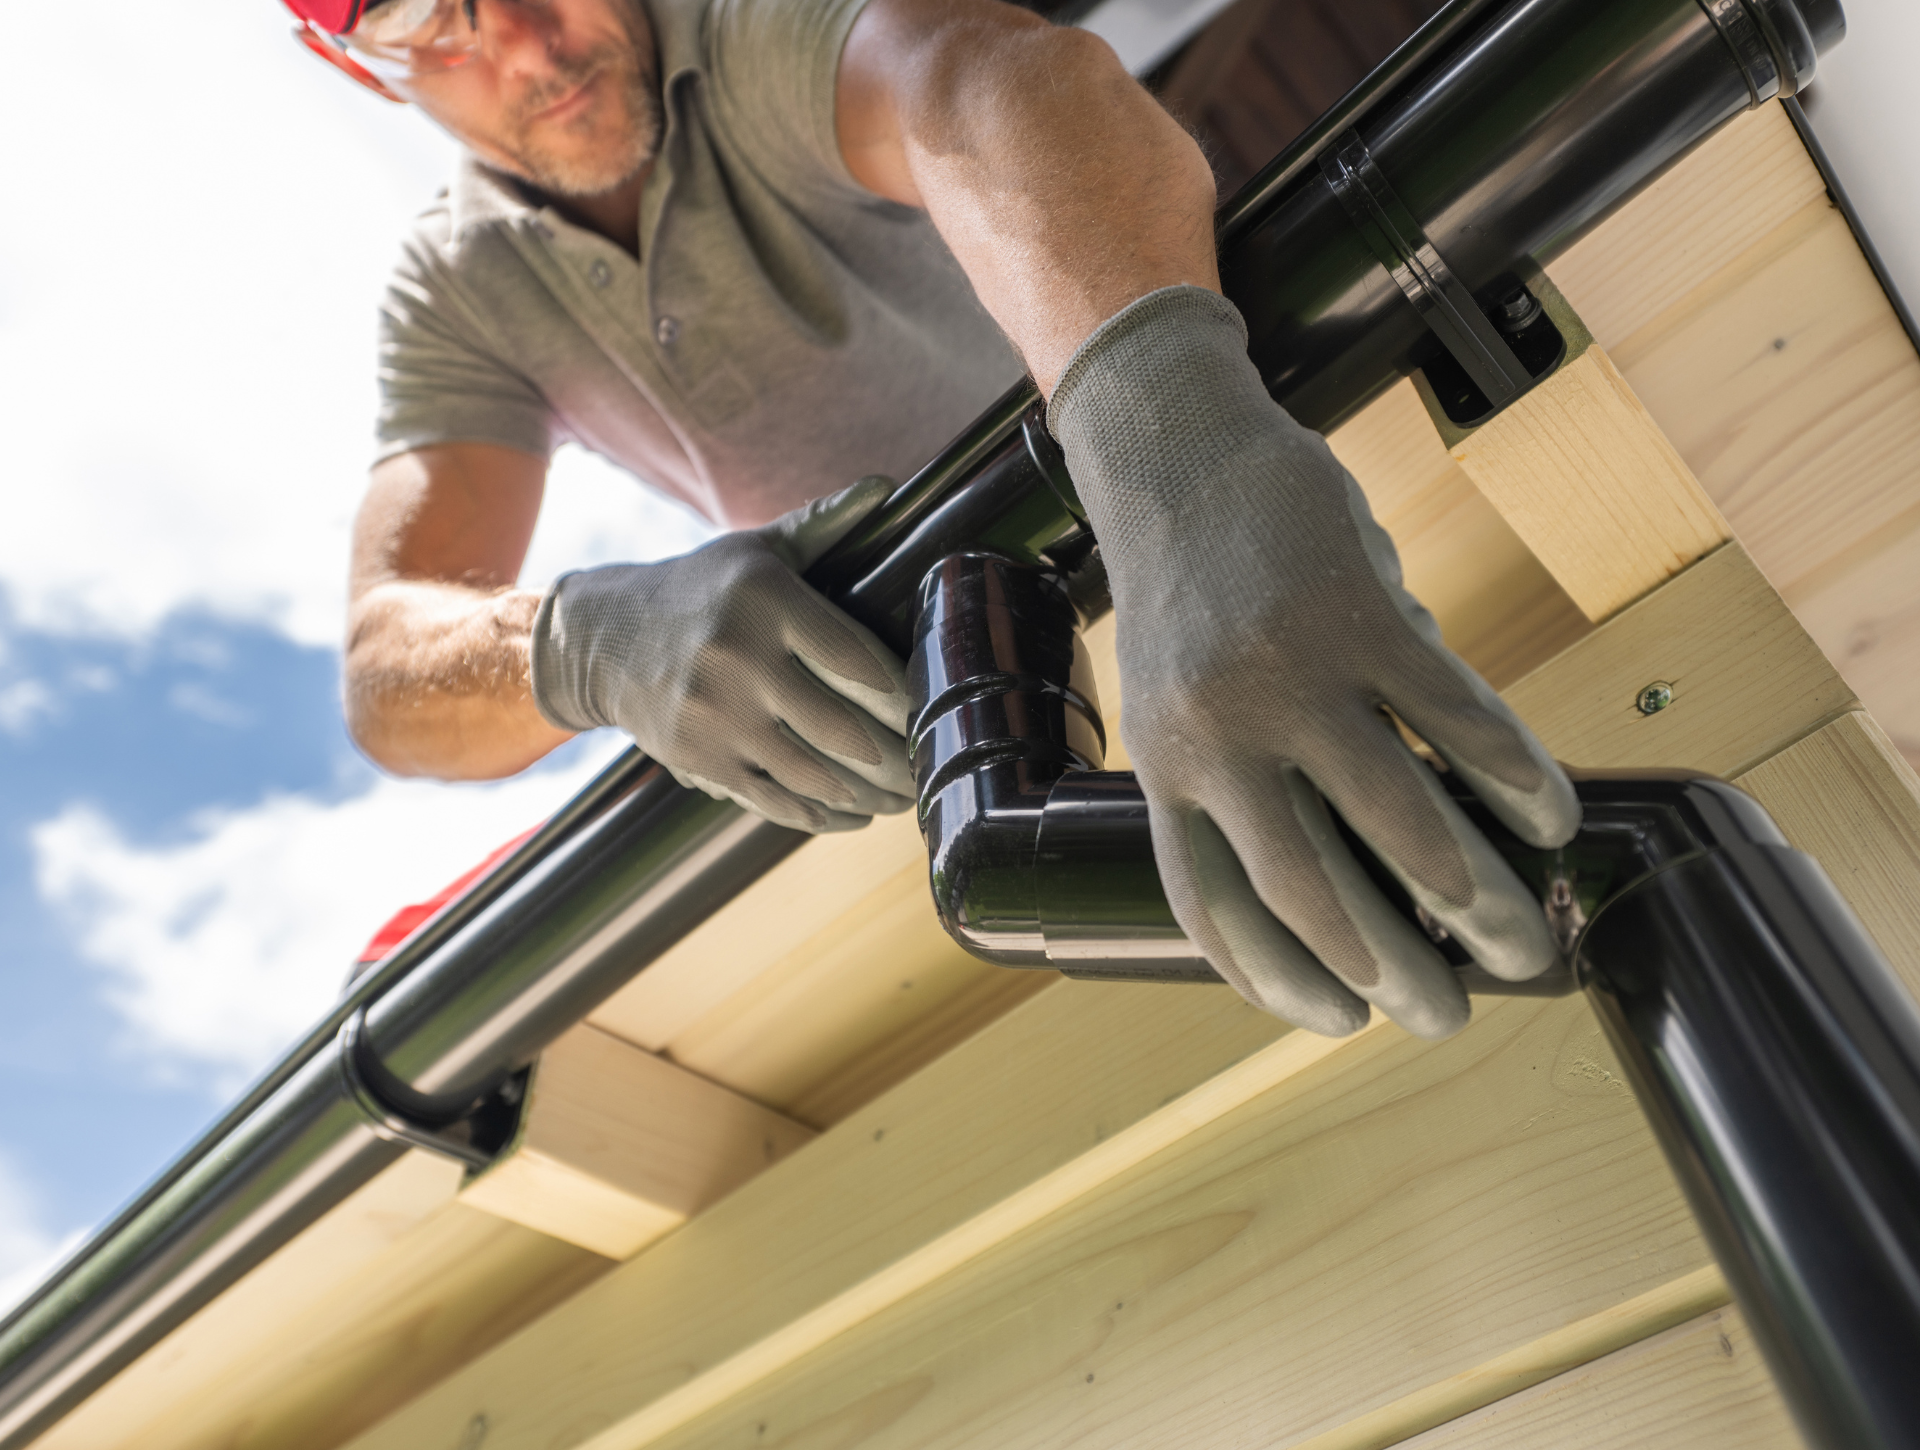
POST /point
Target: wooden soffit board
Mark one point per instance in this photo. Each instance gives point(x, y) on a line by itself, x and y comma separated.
point(1219, 1221)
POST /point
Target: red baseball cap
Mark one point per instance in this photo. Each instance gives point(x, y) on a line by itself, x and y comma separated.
point(336, 17)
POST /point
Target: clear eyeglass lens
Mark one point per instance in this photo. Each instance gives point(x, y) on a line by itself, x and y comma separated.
point(417, 36)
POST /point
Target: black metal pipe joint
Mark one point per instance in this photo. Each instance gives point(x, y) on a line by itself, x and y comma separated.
point(1038, 857)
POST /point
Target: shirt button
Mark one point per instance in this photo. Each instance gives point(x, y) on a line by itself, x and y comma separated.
point(599, 273)
point(666, 330)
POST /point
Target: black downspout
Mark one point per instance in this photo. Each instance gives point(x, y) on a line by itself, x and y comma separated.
point(1768, 1040)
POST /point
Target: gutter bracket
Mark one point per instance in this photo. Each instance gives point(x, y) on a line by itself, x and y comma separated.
point(1443, 301)
point(473, 1141)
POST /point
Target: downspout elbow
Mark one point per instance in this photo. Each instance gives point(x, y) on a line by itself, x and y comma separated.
point(1006, 707)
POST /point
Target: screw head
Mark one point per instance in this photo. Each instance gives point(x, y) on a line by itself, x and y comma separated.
point(1654, 698)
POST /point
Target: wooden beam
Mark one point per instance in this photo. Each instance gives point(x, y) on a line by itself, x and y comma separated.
point(389, 1292)
point(1391, 1217)
point(1585, 476)
point(1701, 1386)
point(1499, 1380)
point(1680, 232)
point(1846, 796)
point(1733, 298)
point(1746, 680)
point(984, 1141)
point(617, 1147)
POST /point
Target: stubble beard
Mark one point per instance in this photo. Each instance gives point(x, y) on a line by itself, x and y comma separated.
point(627, 142)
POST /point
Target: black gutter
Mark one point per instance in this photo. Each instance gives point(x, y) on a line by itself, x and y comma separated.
point(1507, 130)
point(1771, 1046)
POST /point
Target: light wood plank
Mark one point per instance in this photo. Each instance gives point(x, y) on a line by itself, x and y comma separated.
point(1866, 616)
point(1789, 385)
point(825, 983)
point(1846, 797)
point(1747, 681)
point(1676, 234)
point(801, 896)
point(1395, 455)
point(1394, 1216)
point(988, 1139)
point(840, 998)
point(385, 1295)
point(1497, 605)
point(617, 1147)
point(1701, 1386)
point(1585, 476)
point(1499, 1379)
point(1734, 300)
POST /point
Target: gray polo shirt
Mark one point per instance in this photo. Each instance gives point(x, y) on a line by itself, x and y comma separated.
point(783, 333)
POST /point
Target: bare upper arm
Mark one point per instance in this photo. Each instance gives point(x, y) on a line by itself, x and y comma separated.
point(892, 55)
point(456, 513)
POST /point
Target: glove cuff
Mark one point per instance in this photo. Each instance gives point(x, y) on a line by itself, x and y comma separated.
point(1141, 331)
point(560, 664)
point(1159, 386)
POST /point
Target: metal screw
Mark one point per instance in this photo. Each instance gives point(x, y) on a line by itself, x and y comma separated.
point(1654, 698)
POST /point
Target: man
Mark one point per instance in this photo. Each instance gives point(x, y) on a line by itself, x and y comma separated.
point(753, 248)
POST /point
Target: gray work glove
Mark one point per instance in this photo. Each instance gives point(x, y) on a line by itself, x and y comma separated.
point(1262, 628)
point(728, 669)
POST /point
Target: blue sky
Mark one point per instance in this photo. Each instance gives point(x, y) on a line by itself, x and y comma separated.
point(190, 849)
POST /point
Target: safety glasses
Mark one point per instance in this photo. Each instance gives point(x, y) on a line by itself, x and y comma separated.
point(397, 42)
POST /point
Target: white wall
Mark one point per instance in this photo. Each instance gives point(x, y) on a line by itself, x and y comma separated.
point(1865, 107)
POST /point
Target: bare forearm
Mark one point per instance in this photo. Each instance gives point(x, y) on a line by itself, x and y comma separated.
point(1063, 188)
point(437, 681)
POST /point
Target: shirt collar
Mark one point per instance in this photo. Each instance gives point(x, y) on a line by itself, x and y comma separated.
point(479, 196)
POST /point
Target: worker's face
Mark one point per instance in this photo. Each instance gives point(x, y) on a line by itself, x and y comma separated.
point(563, 94)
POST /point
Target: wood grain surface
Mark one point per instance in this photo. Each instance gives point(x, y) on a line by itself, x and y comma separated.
point(1849, 799)
point(617, 1147)
point(392, 1290)
point(1586, 478)
point(1701, 1386)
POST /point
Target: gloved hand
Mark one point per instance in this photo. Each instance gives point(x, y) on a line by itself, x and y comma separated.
point(728, 669)
point(1262, 628)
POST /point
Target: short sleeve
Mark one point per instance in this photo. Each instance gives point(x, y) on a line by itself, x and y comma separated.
point(773, 65)
point(441, 378)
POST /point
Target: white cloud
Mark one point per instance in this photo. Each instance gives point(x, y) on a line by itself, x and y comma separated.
point(594, 513)
point(190, 698)
point(188, 287)
point(21, 703)
point(217, 951)
point(28, 1249)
